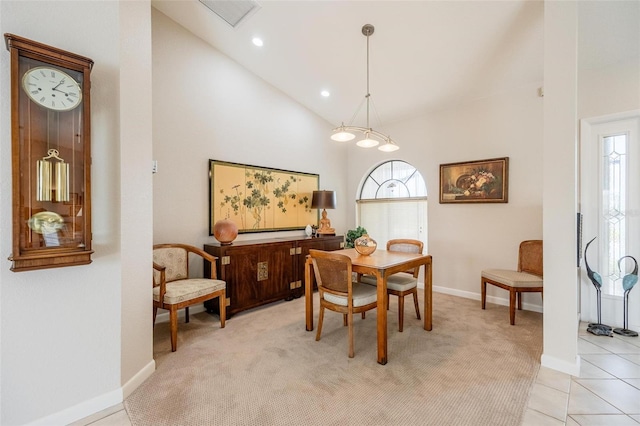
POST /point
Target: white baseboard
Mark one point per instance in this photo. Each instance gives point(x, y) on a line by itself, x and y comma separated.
point(490, 299)
point(138, 379)
point(86, 409)
point(82, 410)
point(572, 368)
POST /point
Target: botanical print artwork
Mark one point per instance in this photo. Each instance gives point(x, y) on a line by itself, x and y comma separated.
point(484, 181)
point(261, 199)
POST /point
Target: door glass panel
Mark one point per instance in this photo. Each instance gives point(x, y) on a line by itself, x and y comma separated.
point(613, 217)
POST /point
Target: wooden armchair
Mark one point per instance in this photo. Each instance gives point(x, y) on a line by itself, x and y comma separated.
point(173, 289)
point(338, 292)
point(528, 277)
point(403, 283)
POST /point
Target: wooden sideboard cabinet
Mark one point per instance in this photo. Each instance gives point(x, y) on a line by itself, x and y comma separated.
point(258, 272)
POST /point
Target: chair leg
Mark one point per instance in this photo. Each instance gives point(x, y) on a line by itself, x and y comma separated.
point(222, 299)
point(400, 313)
point(512, 306)
point(186, 314)
point(363, 316)
point(173, 320)
point(155, 313)
point(519, 297)
point(483, 292)
point(415, 302)
point(350, 325)
point(320, 318)
point(345, 322)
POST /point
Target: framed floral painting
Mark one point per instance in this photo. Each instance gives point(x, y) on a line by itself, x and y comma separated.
point(260, 199)
point(482, 181)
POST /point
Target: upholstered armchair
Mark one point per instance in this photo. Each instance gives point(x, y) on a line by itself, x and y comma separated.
point(527, 278)
point(173, 289)
point(404, 283)
point(338, 292)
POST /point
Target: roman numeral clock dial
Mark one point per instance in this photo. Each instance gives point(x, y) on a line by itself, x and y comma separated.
point(52, 88)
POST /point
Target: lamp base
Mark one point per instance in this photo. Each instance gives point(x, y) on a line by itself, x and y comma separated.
point(327, 234)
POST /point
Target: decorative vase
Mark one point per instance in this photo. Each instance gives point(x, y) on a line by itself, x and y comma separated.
point(308, 230)
point(365, 245)
point(225, 231)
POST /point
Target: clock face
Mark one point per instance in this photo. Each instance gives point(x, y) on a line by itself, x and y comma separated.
point(52, 88)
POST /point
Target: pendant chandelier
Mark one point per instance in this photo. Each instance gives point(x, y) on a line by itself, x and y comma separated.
point(372, 137)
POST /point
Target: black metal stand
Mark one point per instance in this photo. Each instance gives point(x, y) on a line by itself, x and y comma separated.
point(625, 331)
point(598, 328)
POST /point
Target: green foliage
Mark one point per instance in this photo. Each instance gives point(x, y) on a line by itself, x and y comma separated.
point(353, 234)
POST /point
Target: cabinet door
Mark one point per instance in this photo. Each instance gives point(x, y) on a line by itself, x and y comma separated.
point(255, 274)
point(243, 290)
point(335, 243)
point(274, 271)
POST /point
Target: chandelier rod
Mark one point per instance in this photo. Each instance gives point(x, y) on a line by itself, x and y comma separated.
point(368, 95)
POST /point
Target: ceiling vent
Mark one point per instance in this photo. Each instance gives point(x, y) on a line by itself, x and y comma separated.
point(233, 12)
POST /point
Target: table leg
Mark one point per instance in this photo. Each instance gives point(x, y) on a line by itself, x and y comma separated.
point(382, 317)
point(428, 296)
point(308, 295)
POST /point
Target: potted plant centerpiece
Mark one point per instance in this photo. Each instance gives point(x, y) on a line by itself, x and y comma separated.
point(352, 235)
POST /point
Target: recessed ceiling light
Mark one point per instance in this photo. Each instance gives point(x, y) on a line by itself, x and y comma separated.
point(257, 41)
point(325, 93)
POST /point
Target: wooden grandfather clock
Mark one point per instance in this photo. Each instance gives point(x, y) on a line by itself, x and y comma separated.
point(51, 156)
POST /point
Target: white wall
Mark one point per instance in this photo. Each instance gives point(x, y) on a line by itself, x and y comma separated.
point(62, 339)
point(465, 238)
point(136, 231)
point(560, 187)
point(206, 106)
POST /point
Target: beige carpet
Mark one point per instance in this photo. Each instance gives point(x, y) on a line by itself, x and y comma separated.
point(473, 368)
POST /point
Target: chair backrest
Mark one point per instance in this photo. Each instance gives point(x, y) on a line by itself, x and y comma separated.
point(332, 272)
point(530, 257)
point(406, 245)
point(176, 261)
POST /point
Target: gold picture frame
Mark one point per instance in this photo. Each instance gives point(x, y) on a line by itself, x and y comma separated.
point(481, 181)
point(260, 199)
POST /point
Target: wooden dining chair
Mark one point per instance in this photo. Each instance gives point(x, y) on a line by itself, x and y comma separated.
point(173, 289)
point(527, 278)
point(338, 292)
point(404, 283)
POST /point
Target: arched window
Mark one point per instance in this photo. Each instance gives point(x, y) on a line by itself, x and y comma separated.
point(393, 203)
point(393, 179)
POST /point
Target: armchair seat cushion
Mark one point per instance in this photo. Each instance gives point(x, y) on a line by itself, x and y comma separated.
point(181, 290)
point(399, 282)
point(512, 278)
point(362, 295)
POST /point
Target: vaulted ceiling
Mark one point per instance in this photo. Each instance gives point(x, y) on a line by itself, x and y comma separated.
point(424, 55)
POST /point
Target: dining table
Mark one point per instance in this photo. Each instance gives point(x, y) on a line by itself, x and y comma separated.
point(381, 264)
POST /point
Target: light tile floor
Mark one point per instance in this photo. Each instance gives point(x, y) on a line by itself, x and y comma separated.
point(607, 391)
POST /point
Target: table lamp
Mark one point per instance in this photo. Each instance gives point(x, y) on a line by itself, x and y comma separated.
point(324, 200)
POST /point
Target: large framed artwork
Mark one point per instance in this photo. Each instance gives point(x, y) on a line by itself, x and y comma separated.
point(260, 199)
point(481, 181)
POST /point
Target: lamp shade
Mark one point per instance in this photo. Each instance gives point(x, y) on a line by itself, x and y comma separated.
point(323, 200)
point(388, 146)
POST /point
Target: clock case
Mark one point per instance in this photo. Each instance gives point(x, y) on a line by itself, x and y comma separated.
point(50, 231)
